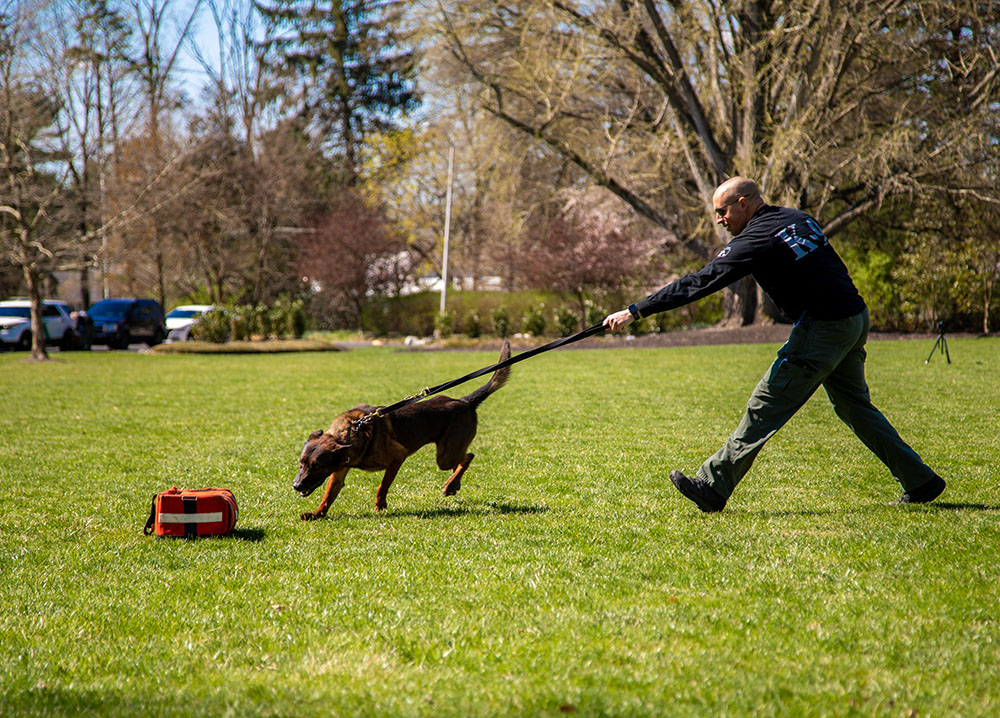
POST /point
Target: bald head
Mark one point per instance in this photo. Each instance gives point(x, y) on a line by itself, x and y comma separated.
point(735, 201)
point(736, 187)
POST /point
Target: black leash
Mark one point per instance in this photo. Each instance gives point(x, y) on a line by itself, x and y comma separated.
point(429, 391)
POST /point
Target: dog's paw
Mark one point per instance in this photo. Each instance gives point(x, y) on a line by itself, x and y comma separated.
point(381, 505)
point(311, 516)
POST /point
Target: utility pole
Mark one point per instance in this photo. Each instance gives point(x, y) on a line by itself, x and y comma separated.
point(447, 231)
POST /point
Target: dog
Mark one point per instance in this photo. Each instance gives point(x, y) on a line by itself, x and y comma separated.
point(384, 443)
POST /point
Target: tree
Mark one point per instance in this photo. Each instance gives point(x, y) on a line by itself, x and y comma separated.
point(143, 254)
point(154, 68)
point(45, 129)
point(282, 172)
point(591, 248)
point(238, 239)
point(660, 101)
point(949, 267)
point(348, 256)
point(32, 196)
point(504, 183)
point(343, 69)
point(92, 63)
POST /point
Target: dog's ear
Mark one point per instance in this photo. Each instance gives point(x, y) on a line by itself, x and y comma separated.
point(315, 435)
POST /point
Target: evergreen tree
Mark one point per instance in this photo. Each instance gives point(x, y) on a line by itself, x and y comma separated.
point(342, 67)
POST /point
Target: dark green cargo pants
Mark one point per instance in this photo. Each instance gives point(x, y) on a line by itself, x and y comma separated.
point(827, 353)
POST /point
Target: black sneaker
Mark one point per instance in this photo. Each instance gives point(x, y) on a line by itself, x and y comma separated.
point(922, 494)
point(698, 491)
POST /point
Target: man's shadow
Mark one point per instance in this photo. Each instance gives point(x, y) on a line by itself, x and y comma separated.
point(938, 505)
point(962, 506)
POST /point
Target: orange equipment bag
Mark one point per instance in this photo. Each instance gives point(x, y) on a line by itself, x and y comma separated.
point(192, 512)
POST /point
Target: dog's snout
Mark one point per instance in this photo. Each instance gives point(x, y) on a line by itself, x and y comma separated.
point(307, 478)
point(299, 485)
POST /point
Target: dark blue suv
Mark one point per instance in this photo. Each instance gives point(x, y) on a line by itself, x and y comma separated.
point(120, 322)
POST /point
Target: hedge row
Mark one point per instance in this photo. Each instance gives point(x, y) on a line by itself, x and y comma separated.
point(243, 322)
point(505, 314)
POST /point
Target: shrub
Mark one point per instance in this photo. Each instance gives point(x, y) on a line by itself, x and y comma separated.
point(641, 327)
point(443, 323)
point(286, 319)
point(263, 321)
point(244, 322)
point(213, 326)
point(533, 321)
point(595, 314)
point(473, 325)
point(297, 318)
point(414, 313)
point(281, 320)
point(567, 321)
point(501, 321)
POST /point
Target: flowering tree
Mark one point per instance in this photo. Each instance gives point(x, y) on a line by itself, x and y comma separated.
point(595, 245)
point(349, 255)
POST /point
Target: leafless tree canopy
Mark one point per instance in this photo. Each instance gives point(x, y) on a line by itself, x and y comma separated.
point(833, 106)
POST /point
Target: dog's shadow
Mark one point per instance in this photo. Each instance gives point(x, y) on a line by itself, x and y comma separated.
point(490, 508)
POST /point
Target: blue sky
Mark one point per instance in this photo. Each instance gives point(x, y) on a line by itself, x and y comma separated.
point(191, 75)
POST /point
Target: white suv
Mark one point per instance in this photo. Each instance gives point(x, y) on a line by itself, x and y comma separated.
point(15, 324)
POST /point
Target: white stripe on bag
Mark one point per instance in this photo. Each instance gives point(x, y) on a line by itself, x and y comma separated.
point(190, 518)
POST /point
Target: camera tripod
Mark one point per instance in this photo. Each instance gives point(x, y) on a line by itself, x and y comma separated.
point(939, 342)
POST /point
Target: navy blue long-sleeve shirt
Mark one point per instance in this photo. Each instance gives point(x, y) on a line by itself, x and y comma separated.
point(790, 258)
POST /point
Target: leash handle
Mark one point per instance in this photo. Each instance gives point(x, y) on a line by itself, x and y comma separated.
point(429, 391)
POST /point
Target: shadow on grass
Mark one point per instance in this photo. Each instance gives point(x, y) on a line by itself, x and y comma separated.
point(770, 514)
point(448, 512)
point(493, 507)
point(249, 535)
point(784, 514)
point(57, 700)
point(962, 506)
point(503, 507)
point(939, 506)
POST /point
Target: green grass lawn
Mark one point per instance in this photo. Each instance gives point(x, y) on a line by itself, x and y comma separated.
point(567, 577)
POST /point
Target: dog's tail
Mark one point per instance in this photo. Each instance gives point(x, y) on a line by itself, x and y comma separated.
point(496, 381)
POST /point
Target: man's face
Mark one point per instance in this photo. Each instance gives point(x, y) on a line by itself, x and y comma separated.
point(732, 212)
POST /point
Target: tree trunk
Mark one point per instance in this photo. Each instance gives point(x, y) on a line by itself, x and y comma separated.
point(161, 284)
point(739, 303)
point(34, 284)
point(85, 288)
point(771, 310)
point(987, 298)
point(264, 247)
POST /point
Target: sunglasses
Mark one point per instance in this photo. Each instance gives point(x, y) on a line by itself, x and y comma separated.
point(721, 211)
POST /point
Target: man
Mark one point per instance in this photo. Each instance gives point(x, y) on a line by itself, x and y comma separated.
point(790, 258)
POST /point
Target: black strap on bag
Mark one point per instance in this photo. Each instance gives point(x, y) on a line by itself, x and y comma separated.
point(190, 504)
point(148, 529)
point(430, 391)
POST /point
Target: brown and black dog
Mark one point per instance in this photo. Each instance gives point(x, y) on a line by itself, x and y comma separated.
point(384, 443)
